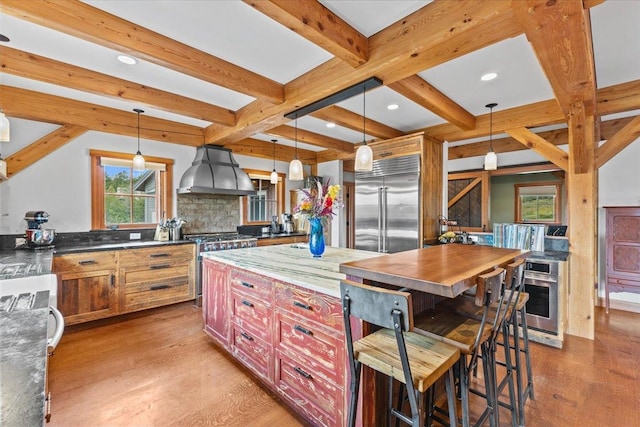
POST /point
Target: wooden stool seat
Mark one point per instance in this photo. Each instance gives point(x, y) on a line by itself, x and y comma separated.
point(429, 359)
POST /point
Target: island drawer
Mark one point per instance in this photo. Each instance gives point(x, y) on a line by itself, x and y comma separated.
point(252, 315)
point(317, 396)
point(158, 254)
point(252, 284)
point(86, 261)
point(322, 350)
point(314, 306)
point(253, 352)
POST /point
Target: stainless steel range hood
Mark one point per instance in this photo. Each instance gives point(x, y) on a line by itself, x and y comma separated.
point(214, 171)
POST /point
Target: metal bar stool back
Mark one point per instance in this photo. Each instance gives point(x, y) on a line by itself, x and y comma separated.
point(394, 350)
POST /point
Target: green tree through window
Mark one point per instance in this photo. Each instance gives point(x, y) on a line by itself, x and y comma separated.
point(129, 196)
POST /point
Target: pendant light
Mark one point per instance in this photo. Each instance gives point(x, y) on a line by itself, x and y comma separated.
point(274, 174)
point(5, 131)
point(295, 167)
point(138, 160)
point(364, 154)
point(490, 159)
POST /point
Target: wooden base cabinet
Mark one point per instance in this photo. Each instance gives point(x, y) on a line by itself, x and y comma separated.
point(290, 337)
point(99, 284)
point(87, 285)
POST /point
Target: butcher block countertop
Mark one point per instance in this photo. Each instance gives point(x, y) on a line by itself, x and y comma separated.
point(444, 270)
point(294, 264)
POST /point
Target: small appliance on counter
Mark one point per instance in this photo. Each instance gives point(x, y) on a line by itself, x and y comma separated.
point(287, 223)
point(275, 227)
point(36, 236)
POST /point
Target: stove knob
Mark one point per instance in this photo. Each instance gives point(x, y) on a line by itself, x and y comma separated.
point(223, 246)
point(244, 244)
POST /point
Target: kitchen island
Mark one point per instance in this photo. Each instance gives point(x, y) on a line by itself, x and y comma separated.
point(277, 310)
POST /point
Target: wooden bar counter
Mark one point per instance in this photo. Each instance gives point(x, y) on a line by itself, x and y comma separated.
point(432, 274)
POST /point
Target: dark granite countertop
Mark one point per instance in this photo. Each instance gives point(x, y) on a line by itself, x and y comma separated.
point(19, 263)
point(549, 255)
point(275, 236)
point(23, 361)
point(75, 247)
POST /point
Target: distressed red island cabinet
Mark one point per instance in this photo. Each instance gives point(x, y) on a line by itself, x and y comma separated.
point(288, 336)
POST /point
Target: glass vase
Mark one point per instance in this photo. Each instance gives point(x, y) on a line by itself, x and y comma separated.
point(316, 237)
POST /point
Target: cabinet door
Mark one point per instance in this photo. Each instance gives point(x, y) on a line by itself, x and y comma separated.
point(623, 243)
point(87, 295)
point(215, 287)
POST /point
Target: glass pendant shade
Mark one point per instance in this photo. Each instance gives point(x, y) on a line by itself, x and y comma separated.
point(274, 177)
point(295, 170)
point(274, 174)
point(138, 161)
point(490, 161)
point(5, 131)
point(364, 159)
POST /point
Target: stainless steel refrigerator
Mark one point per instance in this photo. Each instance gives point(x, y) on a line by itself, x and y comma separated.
point(387, 206)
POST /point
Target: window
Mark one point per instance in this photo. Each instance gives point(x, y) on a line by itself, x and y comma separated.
point(266, 203)
point(125, 198)
point(539, 202)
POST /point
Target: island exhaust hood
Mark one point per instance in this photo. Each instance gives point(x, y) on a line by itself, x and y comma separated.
point(214, 171)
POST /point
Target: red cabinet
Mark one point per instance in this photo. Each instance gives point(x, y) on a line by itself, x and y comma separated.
point(623, 250)
point(290, 337)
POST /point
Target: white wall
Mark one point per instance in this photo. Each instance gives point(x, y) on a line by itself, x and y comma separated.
point(59, 183)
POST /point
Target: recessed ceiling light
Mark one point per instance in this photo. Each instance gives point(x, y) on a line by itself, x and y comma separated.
point(127, 59)
point(331, 125)
point(393, 107)
point(488, 76)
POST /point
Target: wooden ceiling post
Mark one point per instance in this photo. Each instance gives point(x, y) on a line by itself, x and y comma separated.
point(582, 190)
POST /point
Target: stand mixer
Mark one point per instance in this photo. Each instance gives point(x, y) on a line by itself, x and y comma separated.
point(35, 235)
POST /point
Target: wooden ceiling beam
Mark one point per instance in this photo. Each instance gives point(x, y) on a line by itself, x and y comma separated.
point(506, 145)
point(30, 105)
point(311, 138)
point(560, 34)
point(263, 149)
point(44, 146)
point(618, 142)
point(35, 67)
point(433, 35)
point(350, 120)
point(424, 94)
point(541, 146)
point(311, 20)
point(97, 26)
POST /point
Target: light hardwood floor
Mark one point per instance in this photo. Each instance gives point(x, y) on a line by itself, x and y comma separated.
point(159, 369)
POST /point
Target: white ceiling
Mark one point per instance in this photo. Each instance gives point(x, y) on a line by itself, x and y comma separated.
point(235, 32)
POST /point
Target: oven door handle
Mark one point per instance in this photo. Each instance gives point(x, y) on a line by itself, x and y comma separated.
point(53, 342)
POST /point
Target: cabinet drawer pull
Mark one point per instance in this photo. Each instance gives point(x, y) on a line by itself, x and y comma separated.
point(303, 330)
point(247, 285)
point(247, 303)
point(246, 336)
point(87, 262)
point(301, 305)
point(158, 287)
point(159, 267)
point(159, 255)
point(303, 373)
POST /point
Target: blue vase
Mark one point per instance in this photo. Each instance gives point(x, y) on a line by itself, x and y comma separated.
point(316, 238)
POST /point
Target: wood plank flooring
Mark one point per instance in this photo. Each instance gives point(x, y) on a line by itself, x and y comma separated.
point(158, 368)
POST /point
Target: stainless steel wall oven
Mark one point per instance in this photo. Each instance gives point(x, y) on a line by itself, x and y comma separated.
point(541, 283)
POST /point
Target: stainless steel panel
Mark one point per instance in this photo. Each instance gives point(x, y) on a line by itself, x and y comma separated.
point(402, 218)
point(367, 214)
point(542, 307)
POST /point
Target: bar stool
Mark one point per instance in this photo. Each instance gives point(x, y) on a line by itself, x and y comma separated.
point(515, 300)
point(476, 339)
point(414, 360)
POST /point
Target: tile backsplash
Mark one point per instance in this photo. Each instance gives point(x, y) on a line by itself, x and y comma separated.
point(208, 213)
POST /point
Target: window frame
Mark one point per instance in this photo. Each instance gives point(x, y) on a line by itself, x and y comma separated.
point(557, 203)
point(164, 193)
point(280, 194)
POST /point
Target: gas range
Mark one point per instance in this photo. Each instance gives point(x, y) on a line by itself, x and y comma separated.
point(210, 242)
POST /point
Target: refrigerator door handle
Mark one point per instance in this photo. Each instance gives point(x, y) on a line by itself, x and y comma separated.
point(380, 210)
point(385, 224)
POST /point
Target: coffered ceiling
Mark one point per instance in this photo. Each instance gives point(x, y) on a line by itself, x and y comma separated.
point(227, 72)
